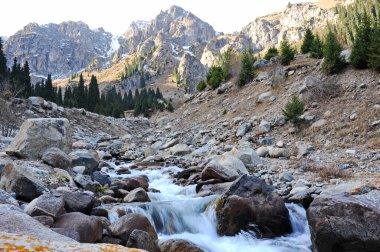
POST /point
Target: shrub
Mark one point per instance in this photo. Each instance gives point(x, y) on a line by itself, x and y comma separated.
point(272, 52)
point(170, 107)
point(293, 110)
point(201, 86)
point(374, 52)
point(333, 62)
point(215, 77)
point(316, 51)
point(287, 53)
point(359, 55)
point(247, 72)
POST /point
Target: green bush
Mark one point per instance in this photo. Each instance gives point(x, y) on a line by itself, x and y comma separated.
point(294, 110)
point(272, 52)
point(316, 51)
point(247, 72)
point(332, 49)
point(287, 53)
point(201, 86)
point(374, 52)
point(215, 77)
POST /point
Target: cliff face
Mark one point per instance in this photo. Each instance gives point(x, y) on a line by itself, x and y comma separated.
point(59, 49)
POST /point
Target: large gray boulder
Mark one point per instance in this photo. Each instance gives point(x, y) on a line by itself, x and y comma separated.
point(86, 158)
point(252, 205)
point(38, 135)
point(14, 220)
point(225, 167)
point(141, 240)
point(77, 201)
point(123, 227)
point(247, 155)
point(18, 180)
point(90, 228)
point(346, 218)
point(174, 245)
point(137, 195)
point(47, 204)
point(180, 150)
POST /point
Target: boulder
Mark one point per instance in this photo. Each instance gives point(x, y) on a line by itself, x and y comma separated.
point(264, 96)
point(174, 245)
point(90, 228)
point(87, 158)
point(56, 158)
point(137, 195)
point(346, 218)
point(279, 152)
point(318, 124)
point(243, 129)
point(247, 155)
point(226, 168)
point(36, 136)
point(101, 178)
point(169, 144)
point(252, 205)
point(262, 151)
point(47, 204)
point(47, 221)
point(264, 127)
point(86, 182)
point(123, 227)
point(6, 198)
point(18, 180)
point(300, 195)
point(142, 240)
point(180, 150)
point(36, 100)
point(77, 201)
point(14, 220)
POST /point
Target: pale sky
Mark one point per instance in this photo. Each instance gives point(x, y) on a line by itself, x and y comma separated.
point(115, 15)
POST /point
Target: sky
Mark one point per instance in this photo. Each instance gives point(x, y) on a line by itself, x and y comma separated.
point(115, 15)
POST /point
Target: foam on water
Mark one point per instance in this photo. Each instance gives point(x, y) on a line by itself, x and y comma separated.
point(176, 213)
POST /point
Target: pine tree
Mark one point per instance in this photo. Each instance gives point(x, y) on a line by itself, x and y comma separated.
point(333, 62)
point(3, 62)
point(287, 53)
point(142, 79)
point(316, 51)
point(50, 95)
point(247, 72)
point(59, 97)
point(81, 93)
point(26, 80)
point(307, 42)
point(93, 94)
point(374, 49)
point(359, 55)
point(293, 110)
point(272, 52)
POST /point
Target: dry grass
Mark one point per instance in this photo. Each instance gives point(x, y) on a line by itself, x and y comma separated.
point(329, 171)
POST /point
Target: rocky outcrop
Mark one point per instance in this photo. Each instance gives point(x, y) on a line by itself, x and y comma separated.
point(18, 180)
point(252, 205)
point(346, 218)
point(58, 49)
point(36, 136)
point(10, 241)
point(191, 72)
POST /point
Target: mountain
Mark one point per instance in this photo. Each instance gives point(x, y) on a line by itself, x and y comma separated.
point(59, 49)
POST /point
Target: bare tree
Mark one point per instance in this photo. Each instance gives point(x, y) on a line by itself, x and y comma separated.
point(8, 118)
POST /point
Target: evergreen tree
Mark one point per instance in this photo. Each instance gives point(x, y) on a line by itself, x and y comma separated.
point(59, 97)
point(316, 51)
point(26, 80)
point(93, 94)
point(215, 77)
point(81, 93)
point(307, 42)
point(49, 93)
point(333, 62)
point(142, 79)
point(247, 72)
point(15, 79)
point(293, 110)
point(374, 49)
point(272, 52)
point(359, 55)
point(287, 53)
point(3, 62)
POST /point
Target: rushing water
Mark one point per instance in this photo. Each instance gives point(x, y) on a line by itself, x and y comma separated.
point(177, 213)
